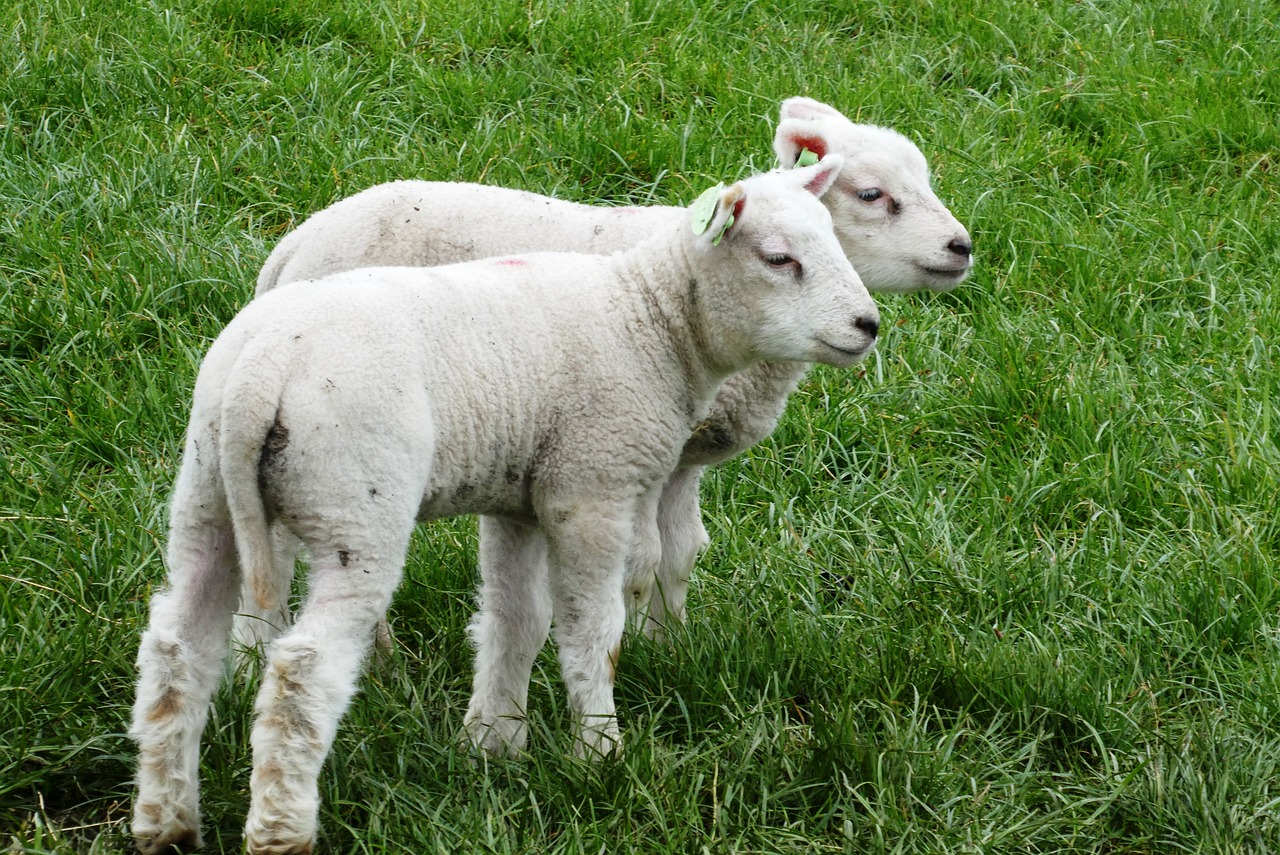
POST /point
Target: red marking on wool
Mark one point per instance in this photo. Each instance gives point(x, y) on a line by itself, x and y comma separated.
point(512, 262)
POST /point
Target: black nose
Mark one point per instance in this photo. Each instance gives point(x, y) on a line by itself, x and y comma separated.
point(960, 247)
point(870, 326)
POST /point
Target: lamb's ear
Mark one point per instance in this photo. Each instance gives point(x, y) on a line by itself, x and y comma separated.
point(817, 179)
point(807, 108)
point(716, 210)
point(796, 136)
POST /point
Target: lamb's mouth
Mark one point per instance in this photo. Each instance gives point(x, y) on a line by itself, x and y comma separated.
point(851, 354)
point(956, 273)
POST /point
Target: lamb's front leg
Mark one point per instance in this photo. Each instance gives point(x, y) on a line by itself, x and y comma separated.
point(508, 631)
point(588, 544)
point(683, 538)
point(643, 559)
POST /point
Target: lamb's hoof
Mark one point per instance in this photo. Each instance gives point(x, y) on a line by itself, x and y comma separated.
point(502, 739)
point(284, 835)
point(596, 745)
point(185, 840)
point(279, 847)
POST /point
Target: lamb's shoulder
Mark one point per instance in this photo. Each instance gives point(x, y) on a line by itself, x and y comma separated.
point(746, 409)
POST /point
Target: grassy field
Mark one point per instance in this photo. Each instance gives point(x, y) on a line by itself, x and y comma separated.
point(1011, 586)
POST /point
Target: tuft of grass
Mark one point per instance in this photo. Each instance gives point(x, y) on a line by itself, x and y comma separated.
point(1009, 586)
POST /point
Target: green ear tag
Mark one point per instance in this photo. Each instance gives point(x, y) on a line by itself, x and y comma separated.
point(727, 224)
point(806, 158)
point(705, 208)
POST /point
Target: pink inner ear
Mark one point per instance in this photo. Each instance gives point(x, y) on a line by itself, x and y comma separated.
point(737, 208)
point(817, 145)
point(819, 183)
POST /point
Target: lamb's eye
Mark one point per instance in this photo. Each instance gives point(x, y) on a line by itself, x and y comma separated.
point(870, 194)
point(779, 260)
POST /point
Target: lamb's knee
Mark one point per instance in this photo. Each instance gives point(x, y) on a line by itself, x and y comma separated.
point(164, 677)
point(290, 703)
point(683, 540)
point(682, 543)
point(170, 676)
point(643, 563)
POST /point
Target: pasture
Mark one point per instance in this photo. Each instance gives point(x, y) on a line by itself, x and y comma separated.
point(1008, 586)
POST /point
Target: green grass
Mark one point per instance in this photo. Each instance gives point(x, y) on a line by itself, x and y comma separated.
point(1010, 586)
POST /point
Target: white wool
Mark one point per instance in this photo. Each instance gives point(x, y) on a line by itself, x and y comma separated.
point(555, 390)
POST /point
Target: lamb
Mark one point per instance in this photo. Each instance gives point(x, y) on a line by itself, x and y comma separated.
point(554, 390)
point(892, 226)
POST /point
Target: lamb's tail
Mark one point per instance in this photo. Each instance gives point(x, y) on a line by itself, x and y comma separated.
point(251, 430)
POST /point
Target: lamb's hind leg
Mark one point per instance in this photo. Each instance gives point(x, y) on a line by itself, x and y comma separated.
point(508, 631)
point(180, 664)
point(254, 627)
point(308, 680)
point(683, 537)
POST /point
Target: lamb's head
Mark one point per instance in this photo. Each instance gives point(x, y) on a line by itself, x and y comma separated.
point(773, 283)
point(892, 226)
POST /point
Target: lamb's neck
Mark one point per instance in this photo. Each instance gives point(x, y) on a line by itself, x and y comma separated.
point(666, 308)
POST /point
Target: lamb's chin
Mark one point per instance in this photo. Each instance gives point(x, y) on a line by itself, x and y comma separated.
point(942, 278)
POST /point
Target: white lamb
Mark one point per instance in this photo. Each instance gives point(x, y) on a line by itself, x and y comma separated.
point(554, 390)
point(892, 226)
